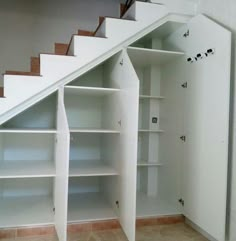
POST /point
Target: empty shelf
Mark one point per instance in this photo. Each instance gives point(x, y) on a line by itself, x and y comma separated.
point(26, 169)
point(89, 207)
point(80, 130)
point(26, 211)
point(96, 91)
point(153, 206)
point(150, 131)
point(82, 170)
point(40, 131)
point(151, 97)
point(148, 164)
point(144, 57)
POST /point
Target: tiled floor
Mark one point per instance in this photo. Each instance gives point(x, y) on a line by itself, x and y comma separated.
point(175, 232)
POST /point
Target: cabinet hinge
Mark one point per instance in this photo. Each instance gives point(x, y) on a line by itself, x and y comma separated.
point(185, 85)
point(183, 138)
point(54, 210)
point(181, 201)
point(117, 204)
point(186, 34)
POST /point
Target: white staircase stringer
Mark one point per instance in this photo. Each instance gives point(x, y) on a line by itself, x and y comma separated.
point(75, 66)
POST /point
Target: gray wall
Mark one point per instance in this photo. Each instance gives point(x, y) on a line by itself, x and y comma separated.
point(29, 27)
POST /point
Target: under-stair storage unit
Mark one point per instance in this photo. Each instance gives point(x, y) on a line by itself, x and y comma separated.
point(139, 131)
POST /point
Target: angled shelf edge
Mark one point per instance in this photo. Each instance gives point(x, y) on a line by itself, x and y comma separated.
point(96, 91)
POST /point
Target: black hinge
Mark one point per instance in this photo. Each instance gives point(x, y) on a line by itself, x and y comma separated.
point(54, 210)
point(186, 34)
point(185, 85)
point(183, 138)
point(181, 201)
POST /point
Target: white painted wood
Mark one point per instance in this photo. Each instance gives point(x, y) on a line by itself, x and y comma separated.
point(151, 97)
point(62, 169)
point(150, 131)
point(94, 131)
point(154, 206)
point(92, 207)
point(205, 166)
point(27, 169)
point(148, 164)
point(90, 90)
point(80, 170)
point(145, 57)
point(29, 131)
point(26, 202)
point(128, 100)
point(26, 211)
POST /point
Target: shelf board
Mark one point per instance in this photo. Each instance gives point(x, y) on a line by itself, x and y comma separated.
point(29, 131)
point(150, 131)
point(153, 206)
point(82, 130)
point(89, 207)
point(148, 164)
point(96, 91)
point(26, 169)
point(89, 170)
point(151, 97)
point(26, 211)
point(144, 57)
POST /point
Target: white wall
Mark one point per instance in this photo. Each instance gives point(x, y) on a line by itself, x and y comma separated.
point(224, 12)
point(29, 27)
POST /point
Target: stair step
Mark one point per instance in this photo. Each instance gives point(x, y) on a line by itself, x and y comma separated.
point(13, 72)
point(84, 33)
point(61, 48)
point(1, 92)
point(35, 65)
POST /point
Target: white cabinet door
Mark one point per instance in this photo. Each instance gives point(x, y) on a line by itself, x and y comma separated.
point(123, 76)
point(62, 169)
point(207, 123)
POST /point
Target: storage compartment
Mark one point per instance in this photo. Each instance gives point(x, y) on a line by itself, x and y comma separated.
point(98, 77)
point(91, 108)
point(90, 199)
point(38, 117)
point(26, 155)
point(26, 202)
point(157, 38)
point(94, 154)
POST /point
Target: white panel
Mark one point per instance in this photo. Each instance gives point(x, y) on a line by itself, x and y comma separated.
point(62, 170)
point(205, 167)
point(119, 74)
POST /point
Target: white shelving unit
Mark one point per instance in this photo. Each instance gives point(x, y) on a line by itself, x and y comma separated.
point(108, 145)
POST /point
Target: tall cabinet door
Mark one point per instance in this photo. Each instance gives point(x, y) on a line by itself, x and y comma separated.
point(207, 123)
point(62, 169)
point(123, 76)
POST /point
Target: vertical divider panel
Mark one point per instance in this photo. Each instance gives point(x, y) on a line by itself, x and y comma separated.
point(62, 169)
point(122, 75)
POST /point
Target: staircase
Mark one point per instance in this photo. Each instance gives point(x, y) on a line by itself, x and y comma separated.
point(86, 50)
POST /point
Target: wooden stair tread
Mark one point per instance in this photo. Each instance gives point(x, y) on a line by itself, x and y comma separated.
point(1, 92)
point(13, 72)
point(61, 48)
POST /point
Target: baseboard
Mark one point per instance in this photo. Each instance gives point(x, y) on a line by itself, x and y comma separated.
point(21, 232)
